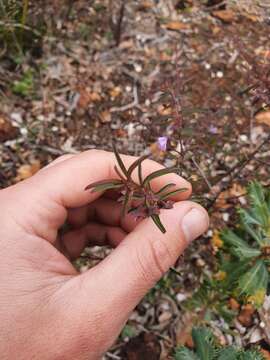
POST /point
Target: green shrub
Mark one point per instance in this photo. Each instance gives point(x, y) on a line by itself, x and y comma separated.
point(242, 262)
point(17, 32)
point(248, 247)
point(206, 347)
point(24, 86)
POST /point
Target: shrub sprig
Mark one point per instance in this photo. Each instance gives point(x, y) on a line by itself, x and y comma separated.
point(139, 198)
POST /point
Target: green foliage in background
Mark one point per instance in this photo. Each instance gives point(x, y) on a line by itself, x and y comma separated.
point(17, 34)
point(243, 261)
point(24, 87)
point(248, 247)
point(207, 348)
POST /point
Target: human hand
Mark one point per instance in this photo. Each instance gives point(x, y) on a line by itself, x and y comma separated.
point(48, 310)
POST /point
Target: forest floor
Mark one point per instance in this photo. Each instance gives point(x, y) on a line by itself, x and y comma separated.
point(99, 74)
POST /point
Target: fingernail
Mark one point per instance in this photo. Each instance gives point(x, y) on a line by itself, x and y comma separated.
point(194, 224)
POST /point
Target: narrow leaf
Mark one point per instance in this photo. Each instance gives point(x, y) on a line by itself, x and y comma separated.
point(140, 173)
point(238, 246)
point(165, 188)
point(136, 164)
point(247, 217)
point(127, 199)
point(119, 173)
point(256, 278)
point(158, 173)
point(172, 193)
point(256, 234)
point(104, 185)
point(119, 161)
point(256, 193)
point(159, 224)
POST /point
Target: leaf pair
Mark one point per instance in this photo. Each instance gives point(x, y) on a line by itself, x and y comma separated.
point(139, 197)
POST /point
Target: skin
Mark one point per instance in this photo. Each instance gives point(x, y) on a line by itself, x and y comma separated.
point(47, 309)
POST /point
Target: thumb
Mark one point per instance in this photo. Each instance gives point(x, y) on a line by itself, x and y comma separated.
point(120, 281)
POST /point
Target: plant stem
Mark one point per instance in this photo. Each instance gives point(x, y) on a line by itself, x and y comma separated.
point(24, 11)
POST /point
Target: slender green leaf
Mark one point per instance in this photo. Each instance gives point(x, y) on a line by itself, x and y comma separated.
point(118, 172)
point(136, 164)
point(165, 188)
point(238, 246)
point(119, 161)
point(172, 193)
point(159, 224)
point(158, 173)
point(254, 233)
point(254, 280)
point(256, 193)
point(247, 217)
point(104, 185)
point(126, 203)
point(140, 173)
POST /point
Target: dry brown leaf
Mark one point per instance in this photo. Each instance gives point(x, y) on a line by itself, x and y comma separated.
point(235, 191)
point(233, 304)
point(251, 17)
point(116, 91)
point(183, 328)
point(163, 110)
point(266, 354)
point(87, 97)
point(263, 117)
point(127, 44)
point(189, 341)
point(145, 5)
point(176, 25)
point(246, 315)
point(120, 133)
point(105, 116)
point(7, 130)
point(27, 170)
point(216, 30)
point(226, 16)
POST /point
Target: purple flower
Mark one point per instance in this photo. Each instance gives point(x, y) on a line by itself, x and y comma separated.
point(213, 130)
point(162, 143)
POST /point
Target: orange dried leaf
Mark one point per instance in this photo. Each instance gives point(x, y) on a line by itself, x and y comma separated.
point(246, 315)
point(233, 304)
point(263, 117)
point(176, 26)
point(227, 16)
point(216, 240)
point(27, 170)
point(116, 91)
point(7, 130)
point(105, 116)
point(87, 97)
point(266, 354)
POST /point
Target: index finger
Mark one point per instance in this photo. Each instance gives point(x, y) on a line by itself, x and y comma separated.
point(65, 182)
